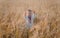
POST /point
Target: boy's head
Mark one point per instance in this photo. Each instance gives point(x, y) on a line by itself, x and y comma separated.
point(29, 11)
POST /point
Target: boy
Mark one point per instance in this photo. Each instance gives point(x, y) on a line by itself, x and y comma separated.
point(29, 17)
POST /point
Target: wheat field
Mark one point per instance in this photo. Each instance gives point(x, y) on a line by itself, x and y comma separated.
point(46, 23)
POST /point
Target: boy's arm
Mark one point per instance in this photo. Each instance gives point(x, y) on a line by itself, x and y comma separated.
point(34, 14)
point(24, 15)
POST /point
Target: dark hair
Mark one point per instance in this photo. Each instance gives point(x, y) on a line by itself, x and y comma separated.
point(29, 10)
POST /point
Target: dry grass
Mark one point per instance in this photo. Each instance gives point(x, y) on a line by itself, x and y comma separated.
point(46, 23)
